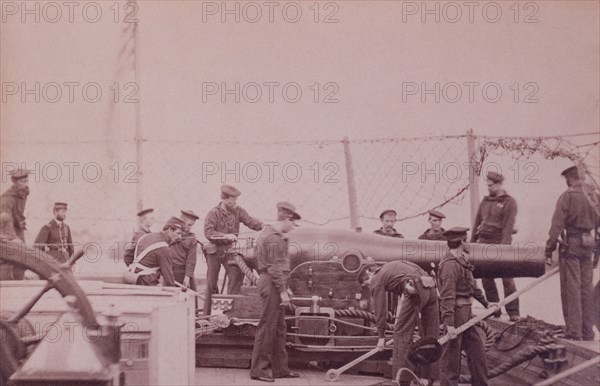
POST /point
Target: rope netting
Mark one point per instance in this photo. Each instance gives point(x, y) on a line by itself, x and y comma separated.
point(583, 150)
point(410, 175)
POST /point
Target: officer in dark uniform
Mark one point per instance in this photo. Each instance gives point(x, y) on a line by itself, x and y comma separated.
point(221, 228)
point(12, 211)
point(55, 237)
point(575, 214)
point(436, 230)
point(143, 227)
point(457, 287)
point(153, 258)
point(494, 224)
point(269, 356)
point(185, 252)
point(420, 297)
point(388, 219)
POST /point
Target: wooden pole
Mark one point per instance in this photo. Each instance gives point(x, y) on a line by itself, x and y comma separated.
point(139, 136)
point(352, 198)
point(567, 373)
point(473, 176)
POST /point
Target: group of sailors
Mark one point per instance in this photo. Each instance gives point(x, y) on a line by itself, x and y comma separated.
point(170, 257)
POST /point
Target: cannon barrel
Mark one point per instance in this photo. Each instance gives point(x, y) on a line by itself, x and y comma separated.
point(353, 249)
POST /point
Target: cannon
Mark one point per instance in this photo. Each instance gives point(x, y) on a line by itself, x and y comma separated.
point(333, 311)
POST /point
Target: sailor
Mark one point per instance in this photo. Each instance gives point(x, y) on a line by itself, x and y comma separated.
point(457, 287)
point(143, 227)
point(55, 237)
point(494, 224)
point(420, 297)
point(287, 211)
point(269, 356)
point(185, 252)
point(388, 219)
point(221, 228)
point(575, 215)
point(12, 208)
point(153, 257)
point(436, 230)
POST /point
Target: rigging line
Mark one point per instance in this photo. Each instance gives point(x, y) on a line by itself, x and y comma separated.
point(533, 137)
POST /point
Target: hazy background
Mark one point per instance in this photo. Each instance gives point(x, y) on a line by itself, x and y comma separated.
point(365, 56)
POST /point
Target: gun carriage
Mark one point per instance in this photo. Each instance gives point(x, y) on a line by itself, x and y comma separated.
point(332, 311)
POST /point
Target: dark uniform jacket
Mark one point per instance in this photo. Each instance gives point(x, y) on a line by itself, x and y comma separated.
point(391, 277)
point(574, 213)
point(272, 257)
point(495, 218)
point(220, 221)
point(161, 257)
point(13, 203)
point(55, 240)
point(455, 279)
point(394, 233)
point(184, 253)
point(130, 248)
point(430, 234)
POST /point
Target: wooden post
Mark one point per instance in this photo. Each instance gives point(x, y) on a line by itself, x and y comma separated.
point(139, 136)
point(352, 199)
point(473, 176)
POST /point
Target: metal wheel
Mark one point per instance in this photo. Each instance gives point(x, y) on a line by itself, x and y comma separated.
point(59, 277)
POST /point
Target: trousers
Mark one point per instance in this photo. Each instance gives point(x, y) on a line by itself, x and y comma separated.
point(235, 278)
point(472, 343)
point(269, 356)
point(424, 302)
point(576, 276)
point(490, 289)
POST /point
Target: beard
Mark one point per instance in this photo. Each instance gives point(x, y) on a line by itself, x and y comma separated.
point(61, 217)
point(23, 192)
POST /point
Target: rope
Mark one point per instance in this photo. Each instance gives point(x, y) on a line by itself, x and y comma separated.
point(333, 348)
point(524, 355)
point(527, 333)
point(334, 319)
point(413, 375)
point(329, 336)
point(248, 272)
point(368, 316)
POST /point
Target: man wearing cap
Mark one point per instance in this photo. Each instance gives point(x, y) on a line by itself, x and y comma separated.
point(287, 211)
point(269, 356)
point(221, 228)
point(457, 287)
point(420, 297)
point(55, 237)
point(12, 211)
point(143, 227)
point(388, 219)
point(185, 252)
point(575, 215)
point(436, 230)
point(153, 258)
point(494, 224)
